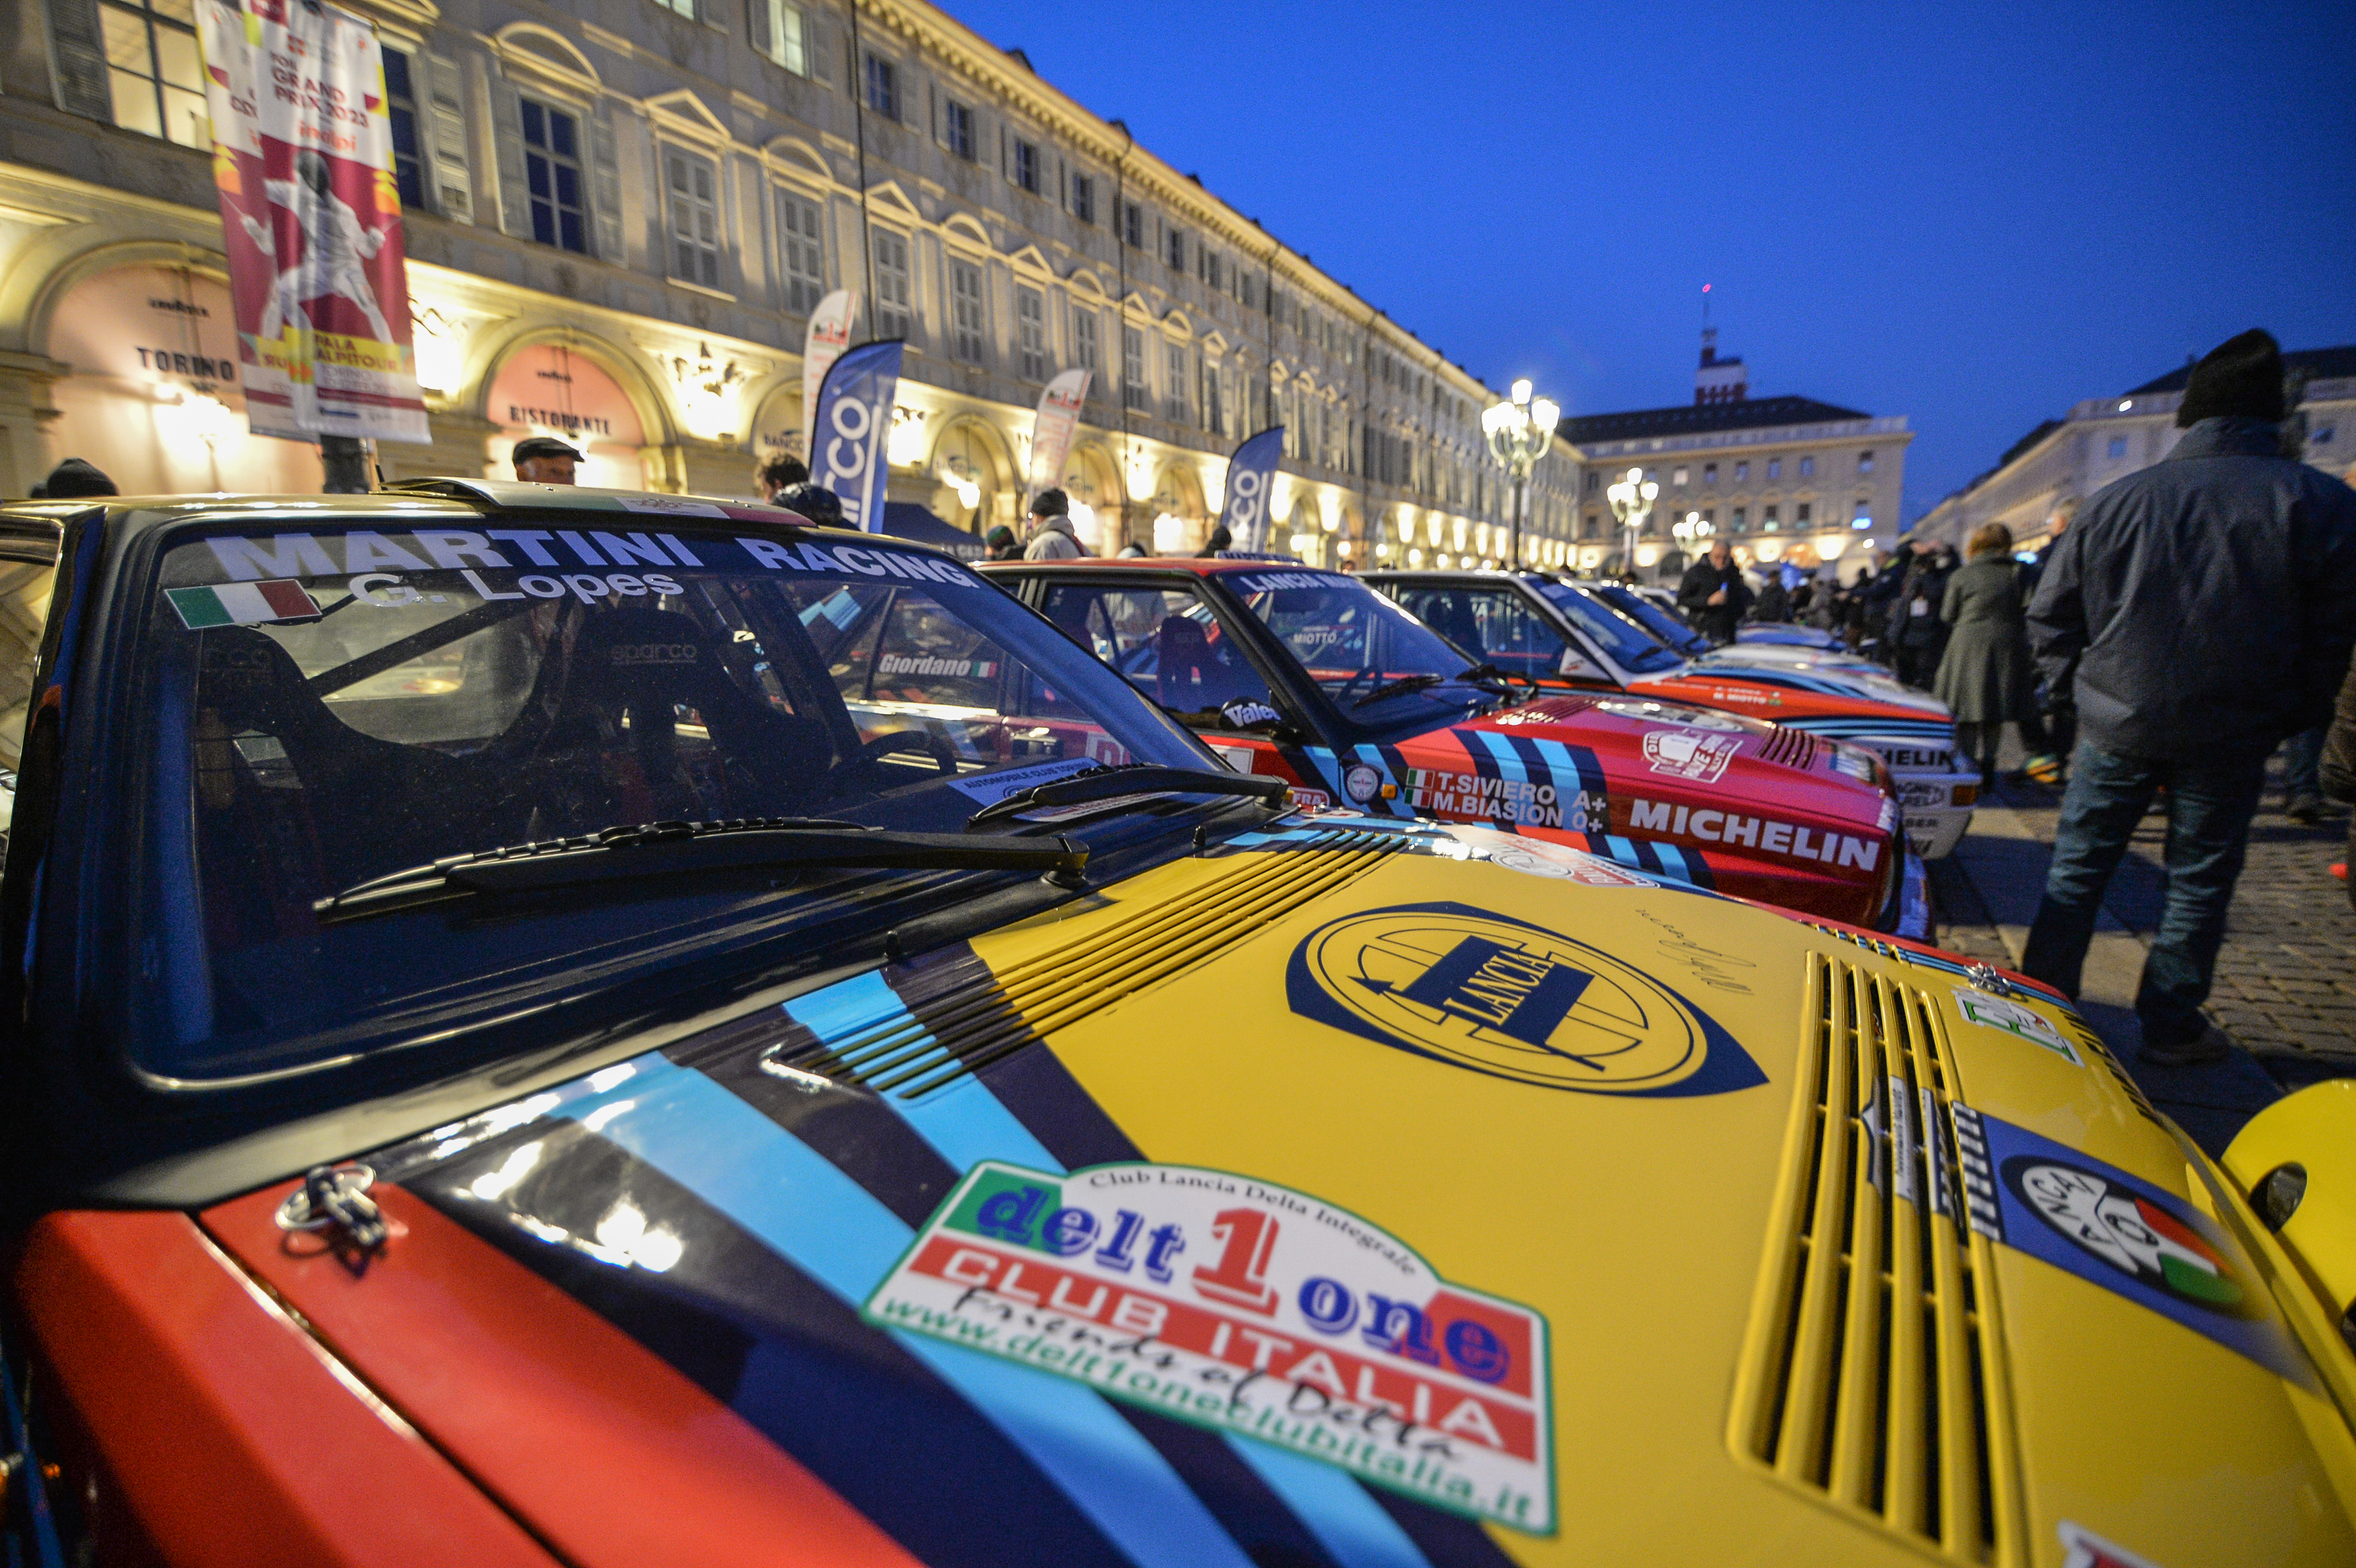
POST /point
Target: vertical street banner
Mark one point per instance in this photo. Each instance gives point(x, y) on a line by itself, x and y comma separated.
point(850, 438)
point(829, 334)
point(1053, 427)
point(1251, 472)
point(311, 220)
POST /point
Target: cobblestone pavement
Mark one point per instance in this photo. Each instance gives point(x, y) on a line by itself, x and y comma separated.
point(2286, 988)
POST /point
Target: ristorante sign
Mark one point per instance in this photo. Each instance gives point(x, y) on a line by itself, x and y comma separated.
point(303, 158)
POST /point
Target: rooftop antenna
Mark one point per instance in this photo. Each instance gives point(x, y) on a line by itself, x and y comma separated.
point(1704, 305)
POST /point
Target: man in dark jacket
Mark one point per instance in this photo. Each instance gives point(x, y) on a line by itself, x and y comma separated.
point(1713, 595)
point(1917, 636)
point(2209, 602)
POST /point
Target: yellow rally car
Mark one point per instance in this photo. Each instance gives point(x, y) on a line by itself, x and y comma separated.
point(974, 1130)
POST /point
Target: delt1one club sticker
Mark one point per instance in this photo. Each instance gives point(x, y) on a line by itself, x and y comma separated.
point(1247, 1307)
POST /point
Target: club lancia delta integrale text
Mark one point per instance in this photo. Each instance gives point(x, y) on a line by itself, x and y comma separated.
point(1246, 1307)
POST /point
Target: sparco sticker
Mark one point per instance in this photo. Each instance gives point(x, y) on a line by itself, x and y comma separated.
point(1246, 1307)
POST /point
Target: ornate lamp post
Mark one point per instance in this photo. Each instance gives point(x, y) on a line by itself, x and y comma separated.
point(1519, 431)
point(1631, 502)
point(1691, 531)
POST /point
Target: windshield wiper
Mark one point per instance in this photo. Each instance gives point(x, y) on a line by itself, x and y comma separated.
point(1400, 686)
point(659, 851)
point(1485, 670)
point(1113, 779)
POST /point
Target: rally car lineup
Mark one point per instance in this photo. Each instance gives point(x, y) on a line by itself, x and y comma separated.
point(577, 1026)
point(1314, 677)
point(1571, 636)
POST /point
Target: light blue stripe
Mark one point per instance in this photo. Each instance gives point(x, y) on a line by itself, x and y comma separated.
point(1332, 1506)
point(1673, 861)
point(776, 1187)
point(1624, 850)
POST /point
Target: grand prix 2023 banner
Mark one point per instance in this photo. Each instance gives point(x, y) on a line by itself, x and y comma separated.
point(303, 156)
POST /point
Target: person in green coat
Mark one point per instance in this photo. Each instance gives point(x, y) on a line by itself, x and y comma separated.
point(1985, 676)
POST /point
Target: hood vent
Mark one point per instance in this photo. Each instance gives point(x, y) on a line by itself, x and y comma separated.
point(992, 1016)
point(1793, 748)
point(1872, 1373)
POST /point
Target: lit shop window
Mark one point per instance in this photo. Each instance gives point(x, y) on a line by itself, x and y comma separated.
point(552, 167)
point(155, 70)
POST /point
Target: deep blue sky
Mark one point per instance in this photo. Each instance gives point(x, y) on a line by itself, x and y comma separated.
point(1971, 215)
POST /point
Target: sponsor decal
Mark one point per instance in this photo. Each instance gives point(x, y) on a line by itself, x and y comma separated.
point(1922, 759)
point(2112, 1229)
point(1501, 996)
point(1361, 783)
point(1681, 755)
point(1244, 713)
point(1914, 794)
point(242, 604)
point(2008, 1017)
point(1746, 694)
point(1860, 766)
point(1245, 1307)
point(668, 505)
point(1765, 833)
point(1529, 803)
point(921, 664)
point(2081, 1548)
point(627, 654)
point(1309, 799)
point(990, 788)
point(1272, 582)
point(1240, 758)
point(1663, 713)
point(1542, 858)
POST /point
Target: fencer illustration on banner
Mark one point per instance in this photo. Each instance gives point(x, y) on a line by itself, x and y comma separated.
point(1250, 471)
point(311, 220)
point(849, 451)
point(828, 336)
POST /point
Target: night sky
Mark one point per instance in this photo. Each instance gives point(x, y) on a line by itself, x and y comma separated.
point(1970, 215)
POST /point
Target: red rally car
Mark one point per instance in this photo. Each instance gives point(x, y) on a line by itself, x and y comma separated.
point(1316, 678)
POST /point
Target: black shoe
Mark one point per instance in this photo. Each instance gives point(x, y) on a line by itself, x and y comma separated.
point(2212, 1047)
point(2305, 809)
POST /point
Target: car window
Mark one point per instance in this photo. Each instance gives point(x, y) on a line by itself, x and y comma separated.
point(1352, 641)
point(1642, 614)
point(328, 707)
point(24, 610)
point(1496, 624)
point(1633, 646)
point(1169, 644)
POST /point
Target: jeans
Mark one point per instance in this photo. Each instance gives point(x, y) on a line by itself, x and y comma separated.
point(2302, 760)
point(2210, 803)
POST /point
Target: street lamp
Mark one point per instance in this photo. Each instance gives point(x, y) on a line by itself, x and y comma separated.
point(1631, 502)
point(1519, 431)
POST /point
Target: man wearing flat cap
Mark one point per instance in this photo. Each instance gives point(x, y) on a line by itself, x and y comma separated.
point(2206, 605)
point(544, 459)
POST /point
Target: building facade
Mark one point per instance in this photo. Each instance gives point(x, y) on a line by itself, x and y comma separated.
point(2106, 439)
point(618, 216)
point(1781, 478)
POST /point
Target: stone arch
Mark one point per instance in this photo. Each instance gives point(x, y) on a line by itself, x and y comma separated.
point(529, 44)
point(965, 226)
point(1182, 517)
point(28, 300)
point(1091, 478)
point(660, 428)
point(973, 448)
point(794, 153)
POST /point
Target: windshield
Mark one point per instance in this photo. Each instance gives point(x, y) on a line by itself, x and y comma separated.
point(1633, 646)
point(329, 707)
point(1354, 642)
point(1650, 618)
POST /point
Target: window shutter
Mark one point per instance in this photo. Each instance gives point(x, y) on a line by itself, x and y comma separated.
point(605, 186)
point(453, 181)
point(764, 36)
point(77, 51)
point(515, 195)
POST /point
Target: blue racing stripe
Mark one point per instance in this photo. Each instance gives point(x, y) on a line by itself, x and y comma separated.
point(1397, 805)
point(795, 1200)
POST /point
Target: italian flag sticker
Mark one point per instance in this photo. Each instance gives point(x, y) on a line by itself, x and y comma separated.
point(242, 604)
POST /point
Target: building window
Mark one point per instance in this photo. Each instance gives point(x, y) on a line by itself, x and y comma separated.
point(1084, 198)
point(1678, 477)
point(1593, 528)
point(891, 310)
point(1774, 468)
point(1742, 516)
point(1215, 400)
point(1592, 481)
point(1174, 250)
point(1031, 332)
point(957, 129)
point(1742, 473)
point(1026, 166)
point(1132, 368)
point(1083, 339)
point(551, 170)
point(1865, 463)
point(401, 108)
point(1710, 517)
point(695, 190)
point(1175, 403)
point(965, 311)
point(682, 7)
point(1132, 225)
point(2322, 437)
point(2118, 446)
point(1767, 519)
point(1800, 512)
point(805, 255)
point(1709, 472)
point(778, 33)
point(153, 64)
point(1206, 266)
point(1860, 515)
point(883, 87)
point(1807, 467)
